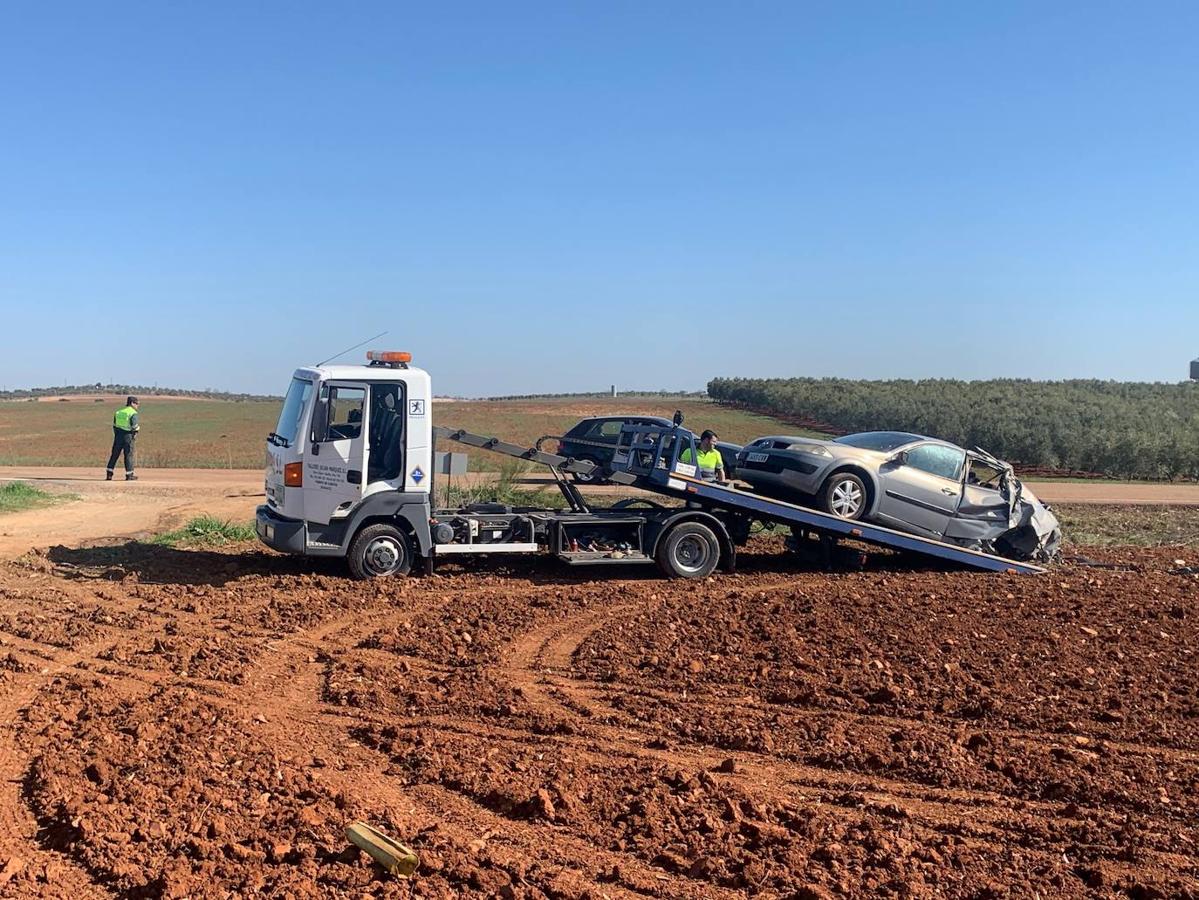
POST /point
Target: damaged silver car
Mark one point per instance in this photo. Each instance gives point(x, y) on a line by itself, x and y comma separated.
point(911, 482)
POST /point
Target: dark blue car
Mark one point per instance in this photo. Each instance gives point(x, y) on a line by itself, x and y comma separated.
point(582, 440)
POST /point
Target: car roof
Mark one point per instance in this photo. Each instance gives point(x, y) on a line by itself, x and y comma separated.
point(657, 420)
point(909, 438)
point(906, 436)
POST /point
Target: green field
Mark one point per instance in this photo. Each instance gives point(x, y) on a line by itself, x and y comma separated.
point(179, 433)
point(175, 433)
point(1145, 526)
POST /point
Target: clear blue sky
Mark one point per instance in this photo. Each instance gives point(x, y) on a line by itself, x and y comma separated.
point(558, 196)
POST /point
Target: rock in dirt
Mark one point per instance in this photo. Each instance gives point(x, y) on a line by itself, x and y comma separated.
point(11, 869)
point(541, 805)
point(885, 694)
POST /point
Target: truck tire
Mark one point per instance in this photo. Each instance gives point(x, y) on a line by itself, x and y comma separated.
point(379, 551)
point(844, 496)
point(596, 476)
point(689, 550)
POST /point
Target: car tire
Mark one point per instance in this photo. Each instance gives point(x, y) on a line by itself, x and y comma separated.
point(380, 551)
point(594, 477)
point(689, 550)
point(844, 496)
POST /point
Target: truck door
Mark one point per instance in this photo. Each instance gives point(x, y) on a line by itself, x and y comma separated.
point(336, 457)
point(387, 433)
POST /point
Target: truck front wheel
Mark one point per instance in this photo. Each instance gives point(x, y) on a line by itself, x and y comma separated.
point(380, 551)
point(689, 550)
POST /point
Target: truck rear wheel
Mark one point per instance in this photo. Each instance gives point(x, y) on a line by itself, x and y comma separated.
point(689, 550)
point(380, 551)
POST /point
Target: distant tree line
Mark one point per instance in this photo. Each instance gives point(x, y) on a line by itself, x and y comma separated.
point(1121, 429)
point(135, 389)
point(592, 395)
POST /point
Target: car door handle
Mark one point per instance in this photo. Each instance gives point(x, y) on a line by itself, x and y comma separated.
point(950, 491)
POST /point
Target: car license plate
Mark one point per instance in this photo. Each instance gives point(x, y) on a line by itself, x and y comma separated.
point(758, 457)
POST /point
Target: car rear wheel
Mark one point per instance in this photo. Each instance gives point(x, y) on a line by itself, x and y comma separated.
point(844, 496)
point(595, 476)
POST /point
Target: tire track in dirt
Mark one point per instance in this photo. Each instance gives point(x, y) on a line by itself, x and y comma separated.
point(21, 833)
point(1032, 737)
point(19, 827)
point(431, 705)
point(994, 819)
point(994, 823)
point(296, 663)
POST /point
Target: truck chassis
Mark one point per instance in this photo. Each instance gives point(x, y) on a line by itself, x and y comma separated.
point(688, 541)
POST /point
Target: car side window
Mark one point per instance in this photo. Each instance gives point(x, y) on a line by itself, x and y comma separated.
point(611, 428)
point(937, 459)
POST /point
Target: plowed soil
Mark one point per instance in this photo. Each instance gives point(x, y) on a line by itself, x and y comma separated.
point(205, 724)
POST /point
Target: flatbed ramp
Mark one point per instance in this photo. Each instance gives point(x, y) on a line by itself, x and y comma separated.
point(641, 463)
point(782, 512)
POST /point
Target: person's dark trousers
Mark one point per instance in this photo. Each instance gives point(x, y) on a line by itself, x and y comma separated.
point(122, 442)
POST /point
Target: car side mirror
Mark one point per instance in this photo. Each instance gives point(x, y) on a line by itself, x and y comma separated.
point(900, 458)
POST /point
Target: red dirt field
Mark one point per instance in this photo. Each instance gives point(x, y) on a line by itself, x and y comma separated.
point(204, 724)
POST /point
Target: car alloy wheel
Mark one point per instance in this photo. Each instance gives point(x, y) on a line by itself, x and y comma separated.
point(845, 496)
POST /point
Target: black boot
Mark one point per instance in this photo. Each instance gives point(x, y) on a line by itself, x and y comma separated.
point(108, 475)
point(130, 477)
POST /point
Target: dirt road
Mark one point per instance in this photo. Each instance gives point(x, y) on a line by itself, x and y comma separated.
point(163, 498)
point(247, 481)
point(204, 724)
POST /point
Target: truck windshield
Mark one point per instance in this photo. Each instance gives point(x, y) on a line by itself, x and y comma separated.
point(293, 408)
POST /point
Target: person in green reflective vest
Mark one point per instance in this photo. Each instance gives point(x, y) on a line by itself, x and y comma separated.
point(710, 463)
point(124, 434)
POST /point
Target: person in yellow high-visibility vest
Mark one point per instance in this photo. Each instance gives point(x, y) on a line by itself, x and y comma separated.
point(710, 463)
point(124, 433)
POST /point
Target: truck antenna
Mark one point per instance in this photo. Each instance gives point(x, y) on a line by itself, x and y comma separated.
point(348, 349)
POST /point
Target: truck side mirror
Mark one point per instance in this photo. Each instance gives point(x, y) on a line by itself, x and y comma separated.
point(678, 418)
point(320, 420)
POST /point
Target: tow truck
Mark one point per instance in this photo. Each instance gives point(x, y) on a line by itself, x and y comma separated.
point(350, 474)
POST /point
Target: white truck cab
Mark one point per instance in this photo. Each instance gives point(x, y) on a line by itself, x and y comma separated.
point(353, 443)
